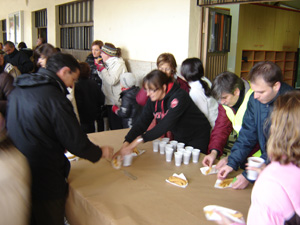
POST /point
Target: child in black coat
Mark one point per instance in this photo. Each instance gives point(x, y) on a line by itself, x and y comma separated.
point(129, 109)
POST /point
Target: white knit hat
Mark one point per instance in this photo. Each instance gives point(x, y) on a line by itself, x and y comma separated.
point(127, 80)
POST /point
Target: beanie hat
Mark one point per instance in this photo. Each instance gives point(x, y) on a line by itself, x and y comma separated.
point(109, 50)
point(127, 80)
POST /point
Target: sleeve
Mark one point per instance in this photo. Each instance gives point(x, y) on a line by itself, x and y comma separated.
point(125, 108)
point(24, 65)
point(69, 132)
point(173, 114)
point(247, 138)
point(6, 87)
point(220, 132)
point(141, 97)
point(142, 123)
point(112, 75)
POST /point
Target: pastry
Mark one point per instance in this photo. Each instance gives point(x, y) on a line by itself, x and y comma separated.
point(226, 182)
point(177, 180)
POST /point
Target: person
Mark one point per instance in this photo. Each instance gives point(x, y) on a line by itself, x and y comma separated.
point(110, 73)
point(41, 54)
point(23, 48)
point(7, 67)
point(1, 46)
point(42, 125)
point(90, 59)
point(173, 110)
point(166, 63)
point(40, 41)
point(17, 58)
point(266, 83)
point(15, 182)
point(275, 195)
point(193, 72)
point(129, 109)
point(233, 93)
point(89, 99)
point(6, 87)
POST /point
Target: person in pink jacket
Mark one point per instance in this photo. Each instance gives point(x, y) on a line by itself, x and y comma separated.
point(276, 194)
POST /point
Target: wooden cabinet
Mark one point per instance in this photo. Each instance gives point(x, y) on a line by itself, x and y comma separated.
point(286, 61)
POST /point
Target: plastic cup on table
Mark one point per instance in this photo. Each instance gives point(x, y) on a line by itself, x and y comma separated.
point(155, 145)
point(174, 143)
point(165, 139)
point(189, 148)
point(182, 150)
point(178, 158)
point(127, 160)
point(186, 157)
point(162, 146)
point(169, 154)
point(195, 155)
point(180, 145)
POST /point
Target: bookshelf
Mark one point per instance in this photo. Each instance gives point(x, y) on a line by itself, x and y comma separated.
point(286, 60)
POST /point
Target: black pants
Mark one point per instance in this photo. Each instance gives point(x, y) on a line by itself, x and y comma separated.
point(115, 122)
point(48, 212)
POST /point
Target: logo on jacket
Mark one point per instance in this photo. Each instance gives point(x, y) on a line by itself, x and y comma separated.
point(174, 103)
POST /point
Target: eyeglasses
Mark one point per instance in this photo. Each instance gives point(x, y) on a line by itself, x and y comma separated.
point(151, 91)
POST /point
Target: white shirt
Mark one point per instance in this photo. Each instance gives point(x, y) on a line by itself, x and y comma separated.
point(207, 105)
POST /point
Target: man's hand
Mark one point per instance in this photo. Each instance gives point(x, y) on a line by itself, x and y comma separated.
point(224, 171)
point(107, 152)
point(240, 183)
point(210, 158)
point(222, 163)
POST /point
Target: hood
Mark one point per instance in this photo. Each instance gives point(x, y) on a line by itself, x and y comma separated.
point(172, 87)
point(42, 77)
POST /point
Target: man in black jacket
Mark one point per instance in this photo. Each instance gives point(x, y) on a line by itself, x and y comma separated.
point(16, 58)
point(42, 125)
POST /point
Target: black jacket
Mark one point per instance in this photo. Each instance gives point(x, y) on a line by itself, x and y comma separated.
point(42, 124)
point(89, 99)
point(129, 109)
point(94, 73)
point(176, 113)
point(20, 60)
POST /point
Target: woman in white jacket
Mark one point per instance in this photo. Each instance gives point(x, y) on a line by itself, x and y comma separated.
point(192, 70)
point(110, 73)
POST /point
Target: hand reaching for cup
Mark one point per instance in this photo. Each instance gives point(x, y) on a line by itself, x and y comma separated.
point(107, 152)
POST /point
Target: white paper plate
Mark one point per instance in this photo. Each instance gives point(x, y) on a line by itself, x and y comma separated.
point(205, 168)
point(211, 215)
point(139, 152)
point(217, 184)
point(180, 176)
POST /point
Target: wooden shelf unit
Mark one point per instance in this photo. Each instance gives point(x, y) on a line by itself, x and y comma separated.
point(286, 60)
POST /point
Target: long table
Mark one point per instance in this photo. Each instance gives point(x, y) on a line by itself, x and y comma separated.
point(99, 194)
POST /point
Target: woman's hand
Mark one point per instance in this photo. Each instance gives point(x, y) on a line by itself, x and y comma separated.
point(258, 170)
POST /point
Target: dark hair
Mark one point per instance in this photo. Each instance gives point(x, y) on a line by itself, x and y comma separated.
point(226, 82)
point(269, 71)
point(85, 70)
point(157, 79)
point(192, 70)
point(57, 49)
point(46, 50)
point(118, 54)
point(22, 45)
point(60, 60)
point(167, 58)
point(97, 42)
point(10, 44)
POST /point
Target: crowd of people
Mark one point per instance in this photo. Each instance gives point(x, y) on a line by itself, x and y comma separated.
point(43, 123)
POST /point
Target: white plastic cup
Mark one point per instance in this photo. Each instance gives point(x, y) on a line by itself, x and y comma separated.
point(127, 160)
point(182, 150)
point(189, 148)
point(165, 139)
point(254, 162)
point(186, 157)
point(169, 153)
point(162, 146)
point(180, 145)
point(178, 158)
point(174, 143)
point(196, 153)
point(155, 145)
point(169, 146)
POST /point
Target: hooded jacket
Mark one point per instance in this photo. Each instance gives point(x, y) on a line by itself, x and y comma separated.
point(255, 128)
point(177, 113)
point(129, 109)
point(42, 124)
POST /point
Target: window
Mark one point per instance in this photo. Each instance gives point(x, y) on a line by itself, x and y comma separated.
point(77, 26)
point(3, 30)
point(15, 29)
point(41, 23)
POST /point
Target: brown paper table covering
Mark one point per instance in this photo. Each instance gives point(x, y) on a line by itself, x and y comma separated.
point(102, 195)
